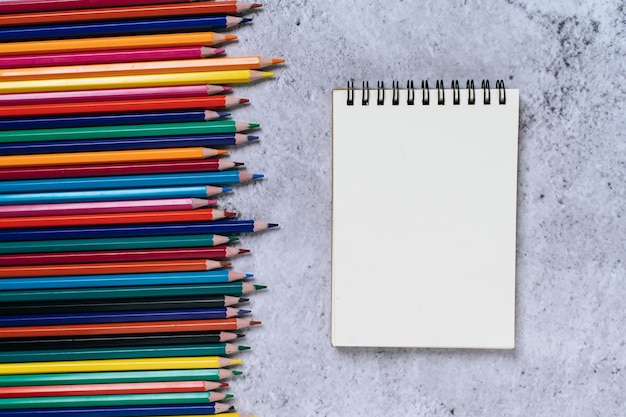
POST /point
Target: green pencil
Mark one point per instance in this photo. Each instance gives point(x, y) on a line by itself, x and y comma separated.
point(117, 400)
point(117, 377)
point(120, 353)
point(128, 131)
point(149, 291)
point(81, 245)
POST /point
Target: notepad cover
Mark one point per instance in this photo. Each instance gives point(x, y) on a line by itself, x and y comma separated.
point(424, 222)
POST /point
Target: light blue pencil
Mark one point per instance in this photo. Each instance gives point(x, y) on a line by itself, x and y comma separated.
point(111, 195)
point(121, 280)
point(128, 181)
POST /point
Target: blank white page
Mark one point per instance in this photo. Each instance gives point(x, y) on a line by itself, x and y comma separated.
point(424, 221)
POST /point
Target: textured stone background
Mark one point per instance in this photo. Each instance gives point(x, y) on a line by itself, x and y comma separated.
point(567, 58)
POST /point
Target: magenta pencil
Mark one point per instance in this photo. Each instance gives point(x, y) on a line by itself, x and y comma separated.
point(112, 94)
point(108, 57)
point(99, 207)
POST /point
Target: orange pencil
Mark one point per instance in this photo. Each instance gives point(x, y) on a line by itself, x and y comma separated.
point(121, 106)
point(114, 42)
point(142, 267)
point(80, 158)
point(120, 13)
point(139, 68)
point(200, 215)
point(182, 326)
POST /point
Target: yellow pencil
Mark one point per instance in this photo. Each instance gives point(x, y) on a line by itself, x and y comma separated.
point(80, 158)
point(113, 365)
point(114, 42)
point(130, 81)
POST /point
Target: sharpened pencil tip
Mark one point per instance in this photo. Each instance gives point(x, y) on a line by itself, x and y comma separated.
point(237, 373)
point(268, 74)
point(257, 176)
point(232, 407)
point(255, 322)
point(225, 263)
point(223, 114)
point(255, 5)
point(270, 225)
point(218, 51)
point(230, 37)
point(249, 275)
point(223, 384)
point(244, 250)
point(243, 347)
point(229, 396)
point(246, 20)
point(252, 137)
point(277, 61)
point(239, 164)
point(241, 335)
point(254, 125)
point(244, 100)
point(259, 287)
point(221, 152)
point(243, 312)
point(236, 362)
point(243, 299)
point(226, 88)
point(230, 214)
point(233, 239)
point(227, 189)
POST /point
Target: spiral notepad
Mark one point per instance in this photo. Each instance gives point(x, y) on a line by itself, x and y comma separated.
point(424, 216)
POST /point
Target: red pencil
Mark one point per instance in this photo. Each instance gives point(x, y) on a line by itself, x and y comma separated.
point(122, 106)
point(184, 216)
point(131, 255)
point(28, 6)
point(124, 168)
point(190, 265)
point(182, 326)
point(133, 12)
point(110, 389)
point(139, 93)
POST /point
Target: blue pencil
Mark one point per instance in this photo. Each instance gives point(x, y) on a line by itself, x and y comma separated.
point(121, 316)
point(166, 229)
point(111, 195)
point(121, 280)
point(178, 116)
point(128, 181)
point(120, 28)
point(119, 411)
point(157, 142)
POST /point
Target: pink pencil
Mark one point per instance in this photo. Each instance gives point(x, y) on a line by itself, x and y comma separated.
point(112, 94)
point(107, 57)
point(171, 204)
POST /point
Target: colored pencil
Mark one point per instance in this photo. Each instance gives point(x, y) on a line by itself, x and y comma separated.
point(142, 93)
point(115, 218)
point(121, 317)
point(217, 252)
point(121, 280)
point(128, 168)
point(122, 106)
point(231, 288)
point(136, 68)
point(108, 341)
point(75, 209)
point(181, 410)
point(130, 181)
point(119, 28)
point(99, 145)
point(107, 57)
point(75, 378)
point(148, 242)
point(122, 81)
point(103, 119)
point(26, 6)
point(77, 354)
point(127, 131)
point(110, 365)
point(166, 229)
point(136, 267)
point(177, 326)
point(122, 13)
point(109, 389)
point(117, 400)
point(115, 42)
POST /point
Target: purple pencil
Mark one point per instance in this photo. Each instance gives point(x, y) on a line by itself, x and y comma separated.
point(108, 57)
point(112, 94)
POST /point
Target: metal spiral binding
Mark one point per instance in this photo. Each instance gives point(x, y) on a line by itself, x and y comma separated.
point(441, 99)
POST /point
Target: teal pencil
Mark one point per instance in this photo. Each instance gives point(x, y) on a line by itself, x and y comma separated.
point(231, 288)
point(120, 353)
point(81, 245)
point(117, 377)
point(125, 131)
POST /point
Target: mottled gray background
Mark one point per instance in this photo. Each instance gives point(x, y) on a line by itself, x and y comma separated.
point(568, 60)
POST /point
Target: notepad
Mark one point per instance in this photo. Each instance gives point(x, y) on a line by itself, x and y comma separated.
point(424, 217)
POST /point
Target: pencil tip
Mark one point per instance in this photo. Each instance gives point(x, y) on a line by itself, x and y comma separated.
point(233, 238)
point(221, 151)
point(225, 263)
point(255, 5)
point(238, 164)
point(230, 37)
point(244, 250)
point(252, 137)
point(218, 51)
point(255, 322)
point(270, 225)
point(229, 396)
point(243, 347)
point(230, 214)
point(254, 125)
point(268, 74)
point(277, 61)
point(249, 275)
point(246, 20)
point(223, 384)
point(226, 189)
point(241, 335)
point(232, 407)
point(259, 287)
point(237, 373)
point(243, 312)
point(223, 114)
point(257, 176)
point(226, 88)
point(244, 100)
point(243, 299)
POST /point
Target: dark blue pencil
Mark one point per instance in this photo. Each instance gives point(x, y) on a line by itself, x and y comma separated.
point(90, 232)
point(129, 411)
point(178, 116)
point(121, 316)
point(122, 144)
point(120, 28)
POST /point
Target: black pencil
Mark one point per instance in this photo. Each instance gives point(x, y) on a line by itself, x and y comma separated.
point(79, 342)
point(174, 303)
